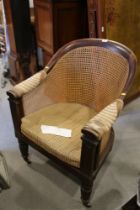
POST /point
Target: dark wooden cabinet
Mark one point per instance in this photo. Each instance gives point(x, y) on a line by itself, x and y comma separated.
point(22, 61)
point(58, 22)
point(96, 18)
point(122, 22)
point(119, 21)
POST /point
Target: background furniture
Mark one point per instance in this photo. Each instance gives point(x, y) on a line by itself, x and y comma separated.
point(2, 31)
point(22, 58)
point(118, 20)
point(87, 82)
point(4, 177)
point(131, 204)
point(58, 22)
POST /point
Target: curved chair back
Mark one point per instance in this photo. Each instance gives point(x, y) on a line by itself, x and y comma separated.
point(93, 72)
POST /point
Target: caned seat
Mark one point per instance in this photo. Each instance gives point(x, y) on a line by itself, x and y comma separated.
point(82, 88)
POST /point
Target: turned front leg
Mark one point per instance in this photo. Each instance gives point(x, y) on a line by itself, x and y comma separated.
point(86, 190)
point(88, 164)
point(24, 149)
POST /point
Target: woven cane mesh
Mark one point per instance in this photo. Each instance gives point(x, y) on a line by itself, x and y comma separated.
point(93, 76)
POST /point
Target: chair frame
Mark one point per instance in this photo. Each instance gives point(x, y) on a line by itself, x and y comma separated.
point(90, 143)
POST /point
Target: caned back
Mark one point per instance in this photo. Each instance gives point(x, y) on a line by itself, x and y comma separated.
point(89, 75)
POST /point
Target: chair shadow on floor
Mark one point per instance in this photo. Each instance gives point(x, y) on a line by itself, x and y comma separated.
point(57, 175)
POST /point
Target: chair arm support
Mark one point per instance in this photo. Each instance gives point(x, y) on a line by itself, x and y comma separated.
point(92, 134)
point(17, 112)
point(27, 85)
point(104, 120)
point(89, 151)
point(16, 98)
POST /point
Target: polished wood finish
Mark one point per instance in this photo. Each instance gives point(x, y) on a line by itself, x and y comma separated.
point(90, 162)
point(58, 22)
point(111, 19)
point(92, 18)
point(43, 12)
point(122, 24)
point(96, 13)
point(22, 57)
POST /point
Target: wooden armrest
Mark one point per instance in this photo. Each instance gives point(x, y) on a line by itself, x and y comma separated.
point(104, 120)
point(28, 85)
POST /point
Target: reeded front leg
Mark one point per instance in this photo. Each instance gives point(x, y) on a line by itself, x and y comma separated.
point(88, 164)
point(24, 148)
point(86, 190)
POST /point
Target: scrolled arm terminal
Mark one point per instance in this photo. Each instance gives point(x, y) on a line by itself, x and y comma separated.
point(104, 120)
point(28, 85)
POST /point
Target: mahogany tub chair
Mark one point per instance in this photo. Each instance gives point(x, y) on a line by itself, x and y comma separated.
point(82, 88)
